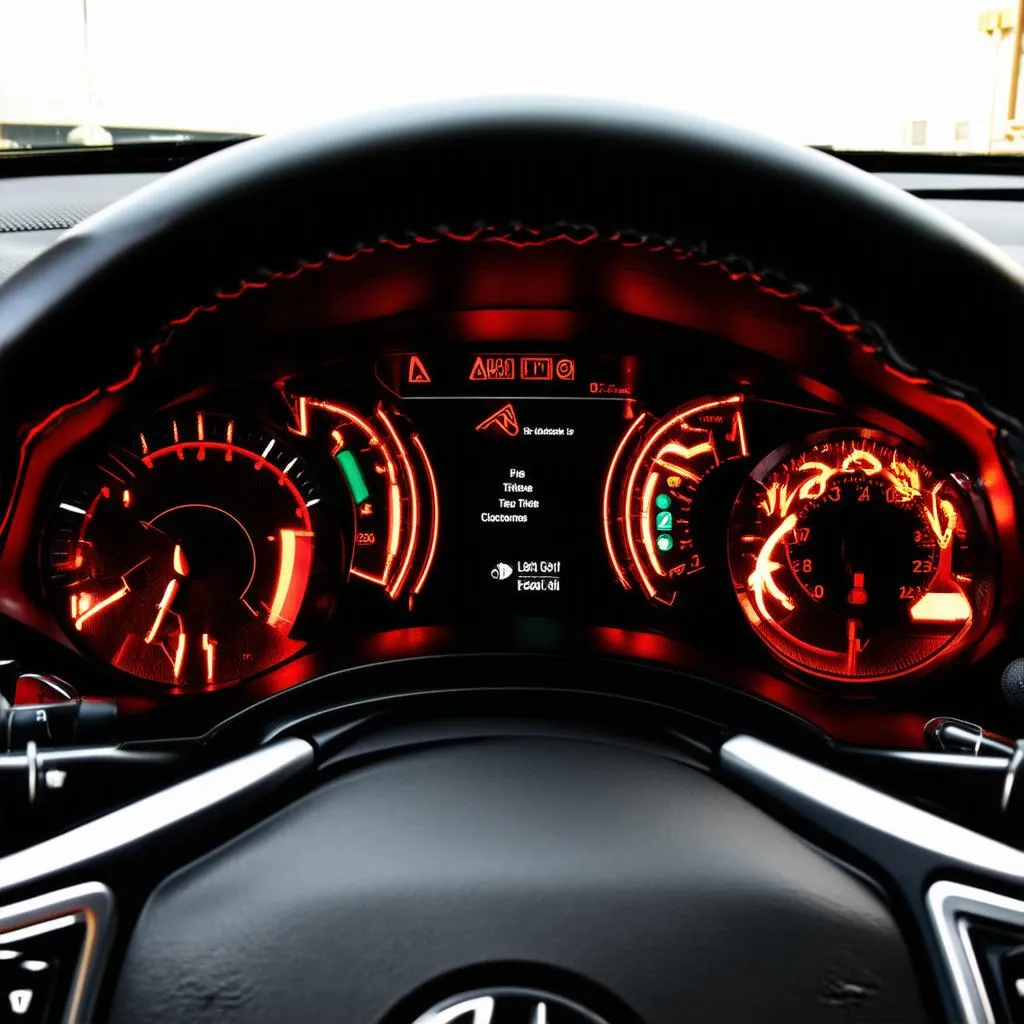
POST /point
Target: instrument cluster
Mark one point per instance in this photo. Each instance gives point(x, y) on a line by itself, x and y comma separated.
point(495, 484)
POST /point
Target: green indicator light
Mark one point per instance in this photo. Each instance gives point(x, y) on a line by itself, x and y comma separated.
point(353, 476)
point(664, 542)
point(663, 501)
point(663, 521)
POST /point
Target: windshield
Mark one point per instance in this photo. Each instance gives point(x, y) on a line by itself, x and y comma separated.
point(932, 75)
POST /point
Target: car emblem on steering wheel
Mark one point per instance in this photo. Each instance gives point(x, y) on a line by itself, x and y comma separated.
point(508, 1006)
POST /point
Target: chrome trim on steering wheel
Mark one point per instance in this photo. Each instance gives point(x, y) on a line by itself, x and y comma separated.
point(248, 776)
point(911, 848)
point(890, 824)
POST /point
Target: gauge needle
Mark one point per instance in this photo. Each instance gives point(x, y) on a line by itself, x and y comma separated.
point(852, 646)
point(170, 592)
point(210, 649)
point(180, 561)
point(100, 605)
point(858, 593)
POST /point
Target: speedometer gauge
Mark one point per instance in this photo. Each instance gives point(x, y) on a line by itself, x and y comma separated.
point(854, 560)
point(185, 555)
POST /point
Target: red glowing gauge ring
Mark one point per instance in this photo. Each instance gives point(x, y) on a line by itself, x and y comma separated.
point(184, 556)
point(650, 487)
point(855, 561)
point(394, 493)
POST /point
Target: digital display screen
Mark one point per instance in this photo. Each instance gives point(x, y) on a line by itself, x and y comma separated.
point(521, 443)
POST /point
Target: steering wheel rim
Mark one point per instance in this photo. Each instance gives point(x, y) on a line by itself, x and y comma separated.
point(805, 216)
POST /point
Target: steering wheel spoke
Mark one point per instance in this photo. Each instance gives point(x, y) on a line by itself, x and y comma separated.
point(959, 888)
point(54, 944)
point(970, 931)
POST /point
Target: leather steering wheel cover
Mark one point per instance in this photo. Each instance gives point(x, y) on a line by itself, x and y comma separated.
point(629, 871)
point(83, 308)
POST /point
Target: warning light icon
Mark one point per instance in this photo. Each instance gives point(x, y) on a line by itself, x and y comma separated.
point(565, 369)
point(504, 421)
point(493, 368)
point(417, 371)
point(536, 367)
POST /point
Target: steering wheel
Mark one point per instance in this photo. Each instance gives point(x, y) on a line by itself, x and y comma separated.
point(457, 870)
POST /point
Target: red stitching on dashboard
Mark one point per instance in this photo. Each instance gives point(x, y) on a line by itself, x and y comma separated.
point(577, 235)
point(181, 321)
point(135, 371)
point(531, 243)
point(834, 314)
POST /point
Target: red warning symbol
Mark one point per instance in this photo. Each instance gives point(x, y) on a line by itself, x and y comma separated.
point(536, 367)
point(503, 421)
point(493, 368)
point(417, 371)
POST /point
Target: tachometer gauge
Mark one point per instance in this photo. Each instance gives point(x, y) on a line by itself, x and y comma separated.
point(185, 555)
point(650, 489)
point(856, 561)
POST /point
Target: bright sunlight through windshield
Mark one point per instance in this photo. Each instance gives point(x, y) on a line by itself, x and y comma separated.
point(875, 74)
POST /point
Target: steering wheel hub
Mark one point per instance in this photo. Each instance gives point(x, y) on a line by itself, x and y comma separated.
point(585, 859)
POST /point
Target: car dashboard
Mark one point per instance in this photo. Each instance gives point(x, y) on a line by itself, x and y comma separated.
point(581, 508)
point(517, 457)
